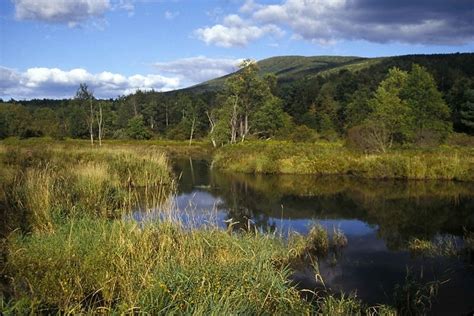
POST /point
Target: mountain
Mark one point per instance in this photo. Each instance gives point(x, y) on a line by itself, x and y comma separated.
point(290, 69)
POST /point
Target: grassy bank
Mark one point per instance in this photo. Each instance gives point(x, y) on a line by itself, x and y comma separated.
point(446, 163)
point(198, 148)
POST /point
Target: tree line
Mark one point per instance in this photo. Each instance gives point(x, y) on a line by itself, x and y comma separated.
point(375, 108)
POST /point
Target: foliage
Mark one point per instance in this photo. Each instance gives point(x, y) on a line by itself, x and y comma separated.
point(303, 133)
point(136, 128)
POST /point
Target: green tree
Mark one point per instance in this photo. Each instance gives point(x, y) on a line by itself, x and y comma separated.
point(46, 122)
point(461, 101)
point(17, 120)
point(77, 122)
point(431, 115)
point(389, 111)
point(136, 128)
point(269, 118)
point(86, 97)
point(358, 108)
point(466, 112)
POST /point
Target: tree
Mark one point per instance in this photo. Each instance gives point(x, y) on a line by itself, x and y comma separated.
point(150, 110)
point(17, 120)
point(391, 117)
point(46, 122)
point(461, 101)
point(358, 108)
point(86, 96)
point(100, 119)
point(466, 112)
point(247, 99)
point(431, 115)
point(77, 122)
point(269, 118)
point(136, 128)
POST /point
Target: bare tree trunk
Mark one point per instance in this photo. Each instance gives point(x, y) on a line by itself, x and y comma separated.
point(99, 123)
point(192, 131)
point(213, 124)
point(91, 122)
point(246, 129)
point(166, 113)
point(233, 137)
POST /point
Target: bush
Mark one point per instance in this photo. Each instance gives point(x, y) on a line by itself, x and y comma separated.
point(136, 128)
point(368, 138)
point(303, 133)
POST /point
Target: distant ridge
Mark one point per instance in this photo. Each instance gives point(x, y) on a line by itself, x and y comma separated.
point(294, 68)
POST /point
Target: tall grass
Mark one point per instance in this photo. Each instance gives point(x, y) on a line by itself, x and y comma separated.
point(446, 163)
point(81, 255)
point(92, 265)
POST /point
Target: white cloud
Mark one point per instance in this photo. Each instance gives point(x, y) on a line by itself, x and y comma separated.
point(57, 83)
point(234, 31)
point(70, 12)
point(198, 69)
point(170, 15)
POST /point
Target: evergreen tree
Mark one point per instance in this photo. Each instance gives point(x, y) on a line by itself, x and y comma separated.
point(466, 112)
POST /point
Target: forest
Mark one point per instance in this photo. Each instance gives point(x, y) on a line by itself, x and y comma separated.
point(374, 104)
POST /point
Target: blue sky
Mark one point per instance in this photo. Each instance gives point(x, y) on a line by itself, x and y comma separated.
point(47, 47)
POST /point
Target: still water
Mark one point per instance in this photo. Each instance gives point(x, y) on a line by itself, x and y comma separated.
point(378, 217)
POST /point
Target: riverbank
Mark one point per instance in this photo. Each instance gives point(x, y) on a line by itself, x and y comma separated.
point(333, 158)
point(70, 246)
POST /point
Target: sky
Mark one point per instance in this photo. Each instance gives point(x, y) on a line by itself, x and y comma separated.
point(49, 47)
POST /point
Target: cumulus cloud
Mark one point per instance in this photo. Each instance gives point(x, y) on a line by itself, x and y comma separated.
point(432, 22)
point(194, 70)
point(71, 12)
point(406, 21)
point(57, 83)
point(235, 31)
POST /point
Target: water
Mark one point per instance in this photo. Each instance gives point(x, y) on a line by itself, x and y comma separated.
point(378, 217)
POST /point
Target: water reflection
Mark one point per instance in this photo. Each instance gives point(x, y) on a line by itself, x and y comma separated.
point(378, 217)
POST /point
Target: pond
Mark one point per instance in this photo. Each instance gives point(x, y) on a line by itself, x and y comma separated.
point(379, 218)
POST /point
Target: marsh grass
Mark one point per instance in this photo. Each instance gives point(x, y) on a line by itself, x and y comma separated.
point(446, 246)
point(325, 158)
point(415, 297)
point(80, 254)
point(90, 265)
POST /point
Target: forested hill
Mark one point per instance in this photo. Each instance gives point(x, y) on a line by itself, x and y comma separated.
point(291, 68)
point(325, 96)
point(288, 69)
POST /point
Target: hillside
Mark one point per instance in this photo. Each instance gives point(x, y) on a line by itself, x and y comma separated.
point(291, 68)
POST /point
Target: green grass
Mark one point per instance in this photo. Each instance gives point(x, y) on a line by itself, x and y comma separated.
point(333, 158)
point(118, 266)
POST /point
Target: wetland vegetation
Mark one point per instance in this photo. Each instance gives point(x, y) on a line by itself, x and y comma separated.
point(70, 243)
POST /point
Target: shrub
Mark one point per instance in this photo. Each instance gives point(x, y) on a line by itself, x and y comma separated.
point(303, 133)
